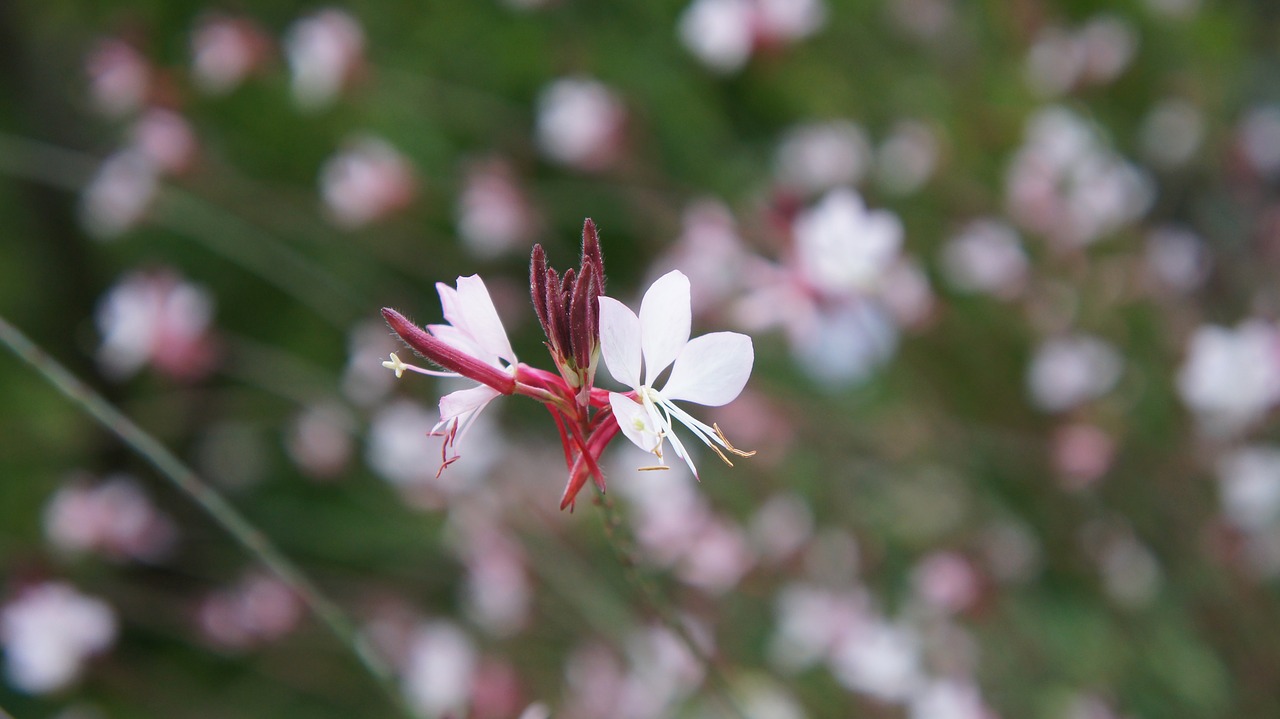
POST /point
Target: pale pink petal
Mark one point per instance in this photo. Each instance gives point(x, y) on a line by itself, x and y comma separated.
point(449, 304)
point(481, 319)
point(635, 422)
point(712, 369)
point(456, 404)
point(460, 341)
point(620, 341)
point(665, 316)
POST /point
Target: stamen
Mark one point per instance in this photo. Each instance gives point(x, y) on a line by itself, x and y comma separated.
point(654, 468)
point(729, 446)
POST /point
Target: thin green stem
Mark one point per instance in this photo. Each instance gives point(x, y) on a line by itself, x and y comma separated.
point(218, 508)
point(624, 550)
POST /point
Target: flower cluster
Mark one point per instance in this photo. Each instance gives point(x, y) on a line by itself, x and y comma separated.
point(581, 325)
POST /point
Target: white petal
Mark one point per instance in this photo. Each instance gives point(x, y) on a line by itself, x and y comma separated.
point(481, 318)
point(665, 316)
point(620, 341)
point(449, 304)
point(712, 369)
point(635, 422)
point(456, 404)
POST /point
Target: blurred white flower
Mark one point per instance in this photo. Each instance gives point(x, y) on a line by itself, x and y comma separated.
point(365, 182)
point(1062, 60)
point(720, 33)
point(1249, 486)
point(843, 247)
point(718, 559)
point(1176, 9)
point(1171, 132)
point(439, 669)
point(493, 214)
point(1066, 184)
point(907, 158)
point(1231, 377)
point(813, 623)
point(949, 699)
point(1177, 258)
point(781, 526)
point(580, 123)
point(1131, 575)
point(49, 632)
point(497, 589)
point(114, 518)
point(819, 156)
point(925, 19)
point(324, 51)
point(156, 318)
point(880, 659)
point(119, 194)
point(224, 50)
point(1068, 371)
point(119, 77)
point(987, 257)
point(662, 672)
point(1259, 135)
point(320, 439)
point(364, 381)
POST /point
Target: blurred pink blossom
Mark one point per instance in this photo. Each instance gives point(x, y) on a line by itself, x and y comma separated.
point(49, 631)
point(119, 77)
point(881, 659)
point(985, 256)
point(320, 439)
point(166, 139)
point(580, 123)
point(325, 51)
point(710, 252)
point(1068, 185)
point(224, 51)
point(119, 194)
point(1081, 454)
point(1259, 139)
point(257, 610)
point(366, 181)
point(723, 34)
point(113, 517)
point(493, 214)
point(154, 317)
point(1062, 60)
point(946, 581)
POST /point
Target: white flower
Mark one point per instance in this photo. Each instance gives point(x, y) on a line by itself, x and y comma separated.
point(49, 632)
point(1231, 377)
point(709, 370)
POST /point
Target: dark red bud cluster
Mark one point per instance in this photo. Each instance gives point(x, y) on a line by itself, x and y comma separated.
point(567, 306)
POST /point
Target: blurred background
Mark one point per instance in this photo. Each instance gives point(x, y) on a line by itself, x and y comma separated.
point(1008, 266)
